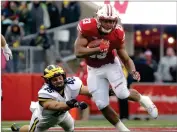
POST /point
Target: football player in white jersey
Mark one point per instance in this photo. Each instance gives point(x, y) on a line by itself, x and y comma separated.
point(6, 50)
point(55, 98)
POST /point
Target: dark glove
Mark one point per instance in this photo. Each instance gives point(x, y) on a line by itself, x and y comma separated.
point(72, 103)
point(82, 105)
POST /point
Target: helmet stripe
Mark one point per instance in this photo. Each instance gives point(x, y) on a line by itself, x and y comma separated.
point(110, 9)
point(107, 10)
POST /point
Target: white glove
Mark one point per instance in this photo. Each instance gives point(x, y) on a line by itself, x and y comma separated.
point(7, 52)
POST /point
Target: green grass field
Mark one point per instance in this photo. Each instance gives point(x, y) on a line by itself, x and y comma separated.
point(104, 123)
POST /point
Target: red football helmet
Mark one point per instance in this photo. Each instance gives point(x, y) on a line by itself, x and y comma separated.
point(107, 17)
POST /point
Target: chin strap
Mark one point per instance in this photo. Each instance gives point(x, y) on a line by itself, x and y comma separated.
point(105, 31)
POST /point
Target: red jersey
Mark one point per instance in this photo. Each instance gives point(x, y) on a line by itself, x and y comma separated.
point(88, 28)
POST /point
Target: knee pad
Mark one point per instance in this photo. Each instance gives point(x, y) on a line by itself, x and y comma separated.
point(123, 94)
point(101, 104)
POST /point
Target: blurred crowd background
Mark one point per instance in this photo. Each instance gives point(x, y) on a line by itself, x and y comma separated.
point(43, 32)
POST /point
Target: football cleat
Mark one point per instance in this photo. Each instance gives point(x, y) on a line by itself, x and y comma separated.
point(15, 128)
point(149, 106)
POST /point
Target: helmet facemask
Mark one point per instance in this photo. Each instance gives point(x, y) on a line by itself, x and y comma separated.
point(107, 18)
point(106, 25)
point(57, 82)
point(55, 77)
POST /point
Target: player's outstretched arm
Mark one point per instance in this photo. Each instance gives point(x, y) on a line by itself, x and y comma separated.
point(54, 105)
point(6, 50)
point(80, 47)
point(62, 106)
point(128, 62)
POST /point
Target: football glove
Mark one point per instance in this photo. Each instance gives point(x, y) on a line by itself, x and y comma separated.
point(74, 103)
point(104, 45)
point(82, 105)
point(136, 75)
point(71, 103)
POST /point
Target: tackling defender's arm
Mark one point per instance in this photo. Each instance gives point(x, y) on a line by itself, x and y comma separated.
point(51, 104)
point(81, 49)
point(54, 105)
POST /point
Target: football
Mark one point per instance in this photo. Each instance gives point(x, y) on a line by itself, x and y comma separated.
point(94, 43)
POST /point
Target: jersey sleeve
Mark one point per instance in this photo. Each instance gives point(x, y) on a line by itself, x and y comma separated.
point(85, 25)
point(75, 85)
point(79, 27)
point(120, 34)
point(45, 93)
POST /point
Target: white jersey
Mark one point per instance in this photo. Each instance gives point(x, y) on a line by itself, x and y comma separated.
point(43, 119)
point(71, 91)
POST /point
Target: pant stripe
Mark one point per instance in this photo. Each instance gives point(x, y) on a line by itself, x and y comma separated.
point(33, 127)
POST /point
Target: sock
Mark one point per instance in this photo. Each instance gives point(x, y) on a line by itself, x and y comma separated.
point(121, 127)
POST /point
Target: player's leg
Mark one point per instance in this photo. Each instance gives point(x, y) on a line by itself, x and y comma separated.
point(145, 101)
point(98, 86)
point(41, 123)
point(119, 86)
point(16, 128)
point(67, 123)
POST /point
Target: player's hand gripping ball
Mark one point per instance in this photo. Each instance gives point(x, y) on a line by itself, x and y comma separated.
point(94, 43)
point(101, 43)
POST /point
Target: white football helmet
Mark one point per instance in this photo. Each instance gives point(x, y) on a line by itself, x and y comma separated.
point(107, 12)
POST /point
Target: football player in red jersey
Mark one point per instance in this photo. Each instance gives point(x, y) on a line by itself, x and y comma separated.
point(104, 68)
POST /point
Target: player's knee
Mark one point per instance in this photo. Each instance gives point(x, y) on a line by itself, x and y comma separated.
point(123, 94)
point(101, 104)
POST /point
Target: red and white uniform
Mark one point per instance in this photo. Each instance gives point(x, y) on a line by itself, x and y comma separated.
point(104, 68)
point(88, 28)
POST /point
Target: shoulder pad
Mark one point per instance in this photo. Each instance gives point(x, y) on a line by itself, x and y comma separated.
point(46, 92)
point(86, 26)
point(74, 83)
point(120, 33)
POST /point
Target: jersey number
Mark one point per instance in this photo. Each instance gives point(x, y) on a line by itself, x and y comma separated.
point(86, 20)
point(71, 80)
point(99, 56)
point(49, 90)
